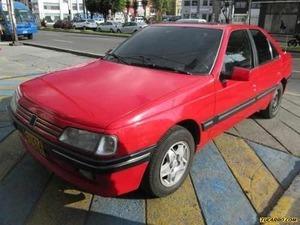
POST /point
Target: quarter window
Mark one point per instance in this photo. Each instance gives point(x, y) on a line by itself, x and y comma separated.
point(274, 51)
point(238, 51)
point(262, 46)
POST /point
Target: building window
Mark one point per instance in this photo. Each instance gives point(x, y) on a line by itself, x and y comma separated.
point(241, 5)
point(51, 6)
point(80, 6)
point(194, 3)
point(210, 3)
point(205, 3)
point(194, 15)
point(186, 3)
point(74, 6)
point(186, 16)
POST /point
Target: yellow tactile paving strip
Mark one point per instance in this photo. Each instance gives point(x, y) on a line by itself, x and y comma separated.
point(178, 208)
point(255, 179)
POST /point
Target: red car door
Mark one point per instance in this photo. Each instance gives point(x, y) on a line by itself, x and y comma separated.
point(233, 98)
point(267, 73)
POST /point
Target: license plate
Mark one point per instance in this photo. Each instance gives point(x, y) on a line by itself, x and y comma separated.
point(34, 142)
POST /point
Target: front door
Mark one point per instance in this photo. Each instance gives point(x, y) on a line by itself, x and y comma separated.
point(233, 98)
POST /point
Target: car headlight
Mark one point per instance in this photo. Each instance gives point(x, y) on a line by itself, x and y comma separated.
point(98, 144)
point(14, 101)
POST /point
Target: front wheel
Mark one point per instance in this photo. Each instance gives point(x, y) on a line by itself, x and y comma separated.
point(274, 106)
point(170, 163)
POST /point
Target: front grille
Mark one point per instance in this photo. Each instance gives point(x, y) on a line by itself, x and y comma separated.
point(41, 126)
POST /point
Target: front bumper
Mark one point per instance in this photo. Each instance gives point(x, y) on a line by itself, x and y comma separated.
point(105, 177)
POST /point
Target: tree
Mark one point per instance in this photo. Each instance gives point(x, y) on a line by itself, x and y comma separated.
point(104, 6)
point(144, 3)
point(135, 6)
point(127, 5)
point(161, 8)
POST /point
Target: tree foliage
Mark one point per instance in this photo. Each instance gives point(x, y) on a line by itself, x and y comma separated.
point(104, 6)
point(135, 6)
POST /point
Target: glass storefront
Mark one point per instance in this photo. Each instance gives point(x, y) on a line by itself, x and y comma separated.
point(277, 17)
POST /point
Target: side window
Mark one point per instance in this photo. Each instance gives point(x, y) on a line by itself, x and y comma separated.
point(239, 52)
point(262, 46)
point(274, 51)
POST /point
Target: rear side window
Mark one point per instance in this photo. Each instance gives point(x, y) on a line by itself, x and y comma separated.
point(262, 46)
point(238, 51)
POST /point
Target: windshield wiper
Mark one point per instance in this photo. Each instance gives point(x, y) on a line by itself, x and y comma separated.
point(119, 58)
point(155, 66)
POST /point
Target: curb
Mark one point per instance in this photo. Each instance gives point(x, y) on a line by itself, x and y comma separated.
point(75, 52)
point(88, 33)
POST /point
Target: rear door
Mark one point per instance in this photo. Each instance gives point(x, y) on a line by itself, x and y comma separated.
point(267, 72)
point(233, 98)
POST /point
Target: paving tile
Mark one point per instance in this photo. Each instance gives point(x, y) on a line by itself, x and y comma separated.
point(283, 166)
point(250, 130)
point(290, 119)
point(116, 211)
point(11, 151)
point(295, 109)
point(289, 204)
point(180, 207)
point(20, 190)
point(61, 203)
point(221, 198)
point(292, 98)
point(5, 131)
point(255, 179)
point(288, 137)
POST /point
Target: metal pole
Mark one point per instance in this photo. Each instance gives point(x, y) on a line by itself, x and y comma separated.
point(249, 11)
point(11, 12)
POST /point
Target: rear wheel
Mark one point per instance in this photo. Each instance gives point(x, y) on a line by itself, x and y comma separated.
point(30, 36)
point(119, 31)
point(170, 163)
point(274, 106)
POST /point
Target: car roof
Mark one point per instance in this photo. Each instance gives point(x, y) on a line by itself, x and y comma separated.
point(210, 25)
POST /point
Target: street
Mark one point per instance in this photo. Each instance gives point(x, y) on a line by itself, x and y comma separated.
point(251, 170)
point(97, 44)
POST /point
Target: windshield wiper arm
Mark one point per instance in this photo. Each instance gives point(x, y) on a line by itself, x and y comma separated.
point(119, 58)
point(155, 66)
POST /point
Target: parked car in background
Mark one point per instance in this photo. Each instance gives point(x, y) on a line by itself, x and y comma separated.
point(139, 114)
point(85, 24)
point(99, 20)
point(191, 21)
point(64, 24)
point(109, 26)
point(139, 19)
point(131, 27)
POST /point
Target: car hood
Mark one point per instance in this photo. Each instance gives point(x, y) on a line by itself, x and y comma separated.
point(101, 92)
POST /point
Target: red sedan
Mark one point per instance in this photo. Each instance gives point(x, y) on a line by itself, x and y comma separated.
point(140, 113)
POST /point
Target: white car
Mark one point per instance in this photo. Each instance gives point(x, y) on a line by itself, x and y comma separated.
point(85, 24)
point(131, 27)
point(191, 21)
point(139, 19)
point(99, 20)
point(109, 26)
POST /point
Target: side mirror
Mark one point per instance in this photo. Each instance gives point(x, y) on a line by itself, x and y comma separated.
point(238, 74)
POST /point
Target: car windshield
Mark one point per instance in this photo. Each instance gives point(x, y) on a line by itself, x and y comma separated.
point(189, 50)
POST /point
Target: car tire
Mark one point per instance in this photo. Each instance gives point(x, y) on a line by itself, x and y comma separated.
point(119, 31)
point(30, 36)
point(112, 31)
point(160, 179)
point(274, 106)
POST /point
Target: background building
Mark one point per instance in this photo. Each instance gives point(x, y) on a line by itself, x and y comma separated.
point(52, 10)
point(201, 9)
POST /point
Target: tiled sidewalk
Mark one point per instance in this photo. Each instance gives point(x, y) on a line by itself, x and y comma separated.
point(249, 171)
